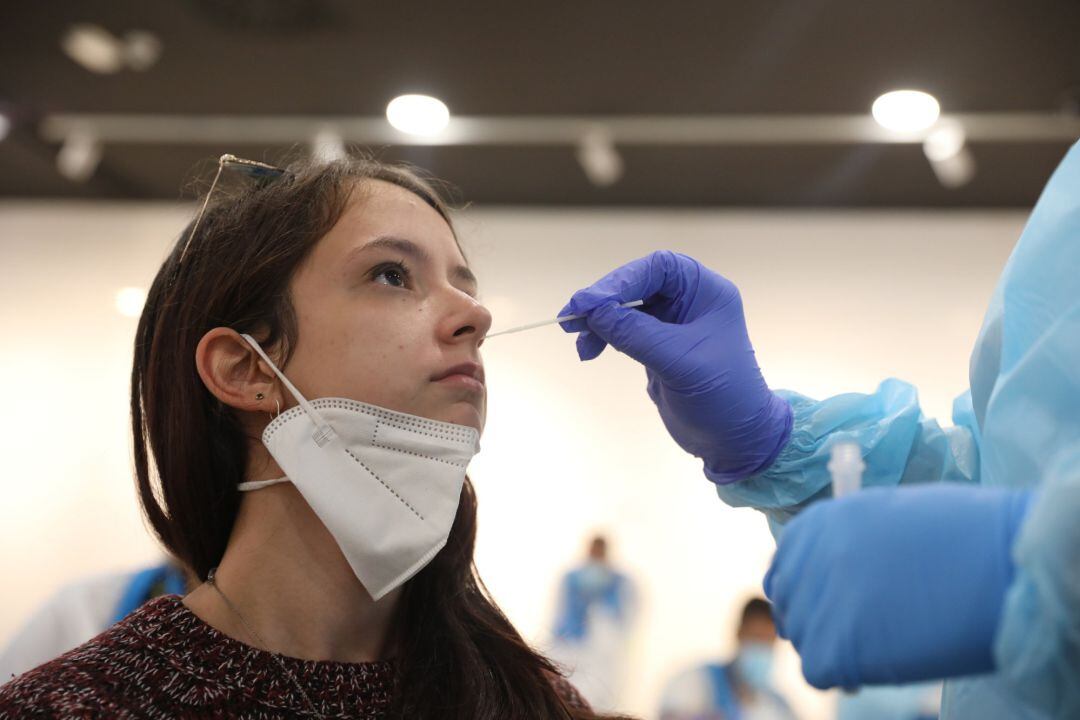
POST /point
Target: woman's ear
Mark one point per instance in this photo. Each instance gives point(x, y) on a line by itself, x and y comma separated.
point(233, 372)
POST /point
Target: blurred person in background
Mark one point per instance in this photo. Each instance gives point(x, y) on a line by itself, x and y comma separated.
point(593, 621)
point(736, 690)
point(307, 393)
point(81, 610)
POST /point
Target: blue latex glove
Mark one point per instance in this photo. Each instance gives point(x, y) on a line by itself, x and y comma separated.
point(691, 337)
point(895, 585)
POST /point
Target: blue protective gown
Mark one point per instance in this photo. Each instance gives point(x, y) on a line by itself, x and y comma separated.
point(1018, 426)
point(592, 586)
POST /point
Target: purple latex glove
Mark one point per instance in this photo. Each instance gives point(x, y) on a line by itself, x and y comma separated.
point(691, 337)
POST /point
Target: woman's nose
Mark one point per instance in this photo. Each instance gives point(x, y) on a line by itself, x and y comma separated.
point(470, 320)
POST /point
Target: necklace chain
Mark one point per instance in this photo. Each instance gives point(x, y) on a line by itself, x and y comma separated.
point(211, 581)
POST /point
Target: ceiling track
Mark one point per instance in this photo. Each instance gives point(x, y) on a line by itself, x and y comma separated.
point(554, 130)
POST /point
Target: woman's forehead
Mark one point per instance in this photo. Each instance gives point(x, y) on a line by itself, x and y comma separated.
point(384, 216)
point(379, 208)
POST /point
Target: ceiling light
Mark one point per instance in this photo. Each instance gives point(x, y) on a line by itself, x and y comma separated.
point(599, 158)
point(79, 156)
point(945, 148)
point(944, 141)
point(94, 48)
point(5, 126)
point(141, 49)
point(328, 146)
point(956, 171)
point(418, 114)
point(906, 110)
point(130, 301)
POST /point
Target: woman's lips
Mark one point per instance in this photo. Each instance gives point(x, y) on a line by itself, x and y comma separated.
point(461, 380)
point(467, 376)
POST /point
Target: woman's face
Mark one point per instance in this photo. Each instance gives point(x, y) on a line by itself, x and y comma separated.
point(387, 312)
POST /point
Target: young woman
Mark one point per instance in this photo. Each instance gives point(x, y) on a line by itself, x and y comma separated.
point(342, 280)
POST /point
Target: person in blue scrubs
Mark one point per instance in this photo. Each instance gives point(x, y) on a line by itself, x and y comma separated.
point(961, 559)
point(593, 588)
point(737, 690)
point(593, 619)
point(81, 610)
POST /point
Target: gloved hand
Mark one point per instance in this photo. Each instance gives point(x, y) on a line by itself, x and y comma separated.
point(895, 585)
point(691, 337)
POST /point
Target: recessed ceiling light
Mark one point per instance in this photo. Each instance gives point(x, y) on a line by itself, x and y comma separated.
point(418, 114)
point(94, 48)
point(906, 110)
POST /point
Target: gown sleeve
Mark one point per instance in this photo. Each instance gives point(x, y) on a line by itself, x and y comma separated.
point(899, 445)
point(1037, 646)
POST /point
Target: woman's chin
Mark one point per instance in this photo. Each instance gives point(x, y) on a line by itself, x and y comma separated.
point(465, 414)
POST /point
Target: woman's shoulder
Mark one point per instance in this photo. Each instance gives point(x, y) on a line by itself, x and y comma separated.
point(62, 687)
point(163, 661)
point(96, 678)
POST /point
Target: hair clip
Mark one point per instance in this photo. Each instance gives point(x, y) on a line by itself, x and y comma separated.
point(253, 168)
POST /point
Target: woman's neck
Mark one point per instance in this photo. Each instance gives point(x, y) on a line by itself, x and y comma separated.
point(285, 574)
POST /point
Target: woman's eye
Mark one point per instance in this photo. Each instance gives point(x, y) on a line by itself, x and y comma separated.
point(394, 275)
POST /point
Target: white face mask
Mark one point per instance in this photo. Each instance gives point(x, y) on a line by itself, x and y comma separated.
point(385, 484)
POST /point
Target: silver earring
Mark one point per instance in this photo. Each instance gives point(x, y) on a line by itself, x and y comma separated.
point(259, 396)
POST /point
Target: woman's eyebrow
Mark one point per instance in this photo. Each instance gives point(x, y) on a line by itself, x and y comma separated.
point(418, 253)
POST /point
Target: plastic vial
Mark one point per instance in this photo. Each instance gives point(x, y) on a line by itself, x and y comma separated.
point(846, 467)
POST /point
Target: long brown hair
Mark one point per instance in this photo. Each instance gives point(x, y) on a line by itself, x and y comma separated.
point(456, 653)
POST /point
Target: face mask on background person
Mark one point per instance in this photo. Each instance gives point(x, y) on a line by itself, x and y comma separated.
point(754, 665)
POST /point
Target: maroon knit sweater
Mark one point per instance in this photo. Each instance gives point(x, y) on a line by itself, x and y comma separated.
point(162, 661)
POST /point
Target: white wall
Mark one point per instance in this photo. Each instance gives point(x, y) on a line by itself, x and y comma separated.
point(835, 302)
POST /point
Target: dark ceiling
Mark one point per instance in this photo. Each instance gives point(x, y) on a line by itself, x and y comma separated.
point(334, 57)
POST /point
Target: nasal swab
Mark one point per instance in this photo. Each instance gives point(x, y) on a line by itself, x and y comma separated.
point(564, 318)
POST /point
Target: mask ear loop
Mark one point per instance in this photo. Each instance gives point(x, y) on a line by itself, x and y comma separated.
point(323, 432)
point(274, 415)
